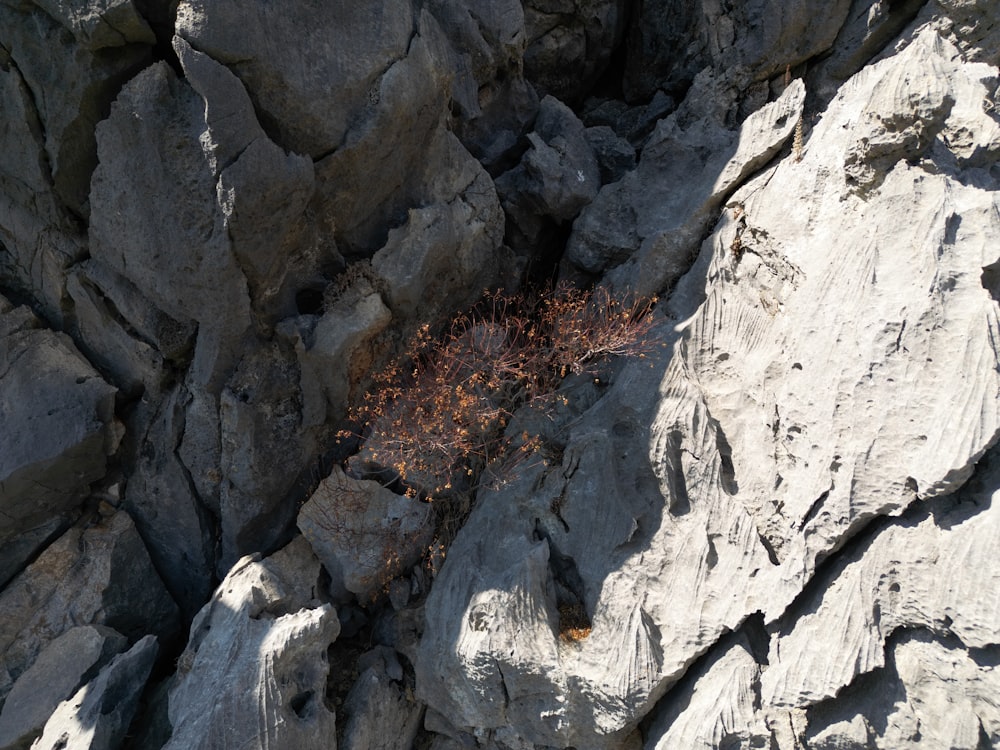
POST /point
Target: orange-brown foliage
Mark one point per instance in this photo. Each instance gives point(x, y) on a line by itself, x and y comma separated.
point(436, 417)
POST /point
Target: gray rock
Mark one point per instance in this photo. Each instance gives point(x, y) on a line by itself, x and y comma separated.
point(131, 363)
point(57, 436)
point(974, 25)
point(384, 167)
point(380, 712)
point(61, 668)
point(493, 103)
point(364, 533)
point(336, 349)
point(263, 452)
point(111, 23)
point(648, 225)
point(79, 84)
point(254, 672)
point(570, 43)
point(445, 253)
point(39, 238)
point(556, 178)
point(615, 156)
point(265, 218)
point(870, 26)
point(98, 716)
point(670, 43)
point(827, 509)
point(309, 70)
point(178, 529)
point(155, 218)
point(99, 574)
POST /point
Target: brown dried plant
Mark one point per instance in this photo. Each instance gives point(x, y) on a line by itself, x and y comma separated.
point(435, 419)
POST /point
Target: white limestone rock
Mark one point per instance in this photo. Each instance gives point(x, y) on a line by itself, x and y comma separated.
point(838, 364)
point(254, 672)
point(55, 675)
point(909, 576)
point(97, 717)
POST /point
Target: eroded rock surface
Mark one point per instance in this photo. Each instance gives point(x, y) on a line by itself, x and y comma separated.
point(219, 220)
point(720, 500)
point(97, 574)
point(97, 717)
point(58, 434)
point(259, 645)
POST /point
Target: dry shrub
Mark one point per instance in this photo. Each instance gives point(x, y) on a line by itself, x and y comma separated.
point(436, 417)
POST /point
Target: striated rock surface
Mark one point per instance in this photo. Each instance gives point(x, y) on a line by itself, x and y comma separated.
point(97, 717)
point(720, 499)
point(259, 645)
point(776, 528)
point(60, 669)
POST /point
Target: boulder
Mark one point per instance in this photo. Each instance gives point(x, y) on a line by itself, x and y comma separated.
point(58, 432)
point(97, 573)
point(254, 672)
point(98, 716)
point(309, 70)
point(61, 668)
point(557, 176)
point(364, 533)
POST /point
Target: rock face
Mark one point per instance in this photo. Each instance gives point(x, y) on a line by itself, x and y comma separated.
point(261, 641)
point(98, 715)
point(220, 221)
point(98, 574)
point(364, 534)
point(56, 674)
point(59, 430)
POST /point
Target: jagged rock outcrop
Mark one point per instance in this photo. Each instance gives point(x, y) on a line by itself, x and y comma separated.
point(97, 717)
point(640, 230)
point(220, 221)
point(96, 573)
point(59, 430)
point(60, 669)
point(720, 501)
point(260, 644)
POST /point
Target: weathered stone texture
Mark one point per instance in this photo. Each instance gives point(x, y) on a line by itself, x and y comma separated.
point(254, 671)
